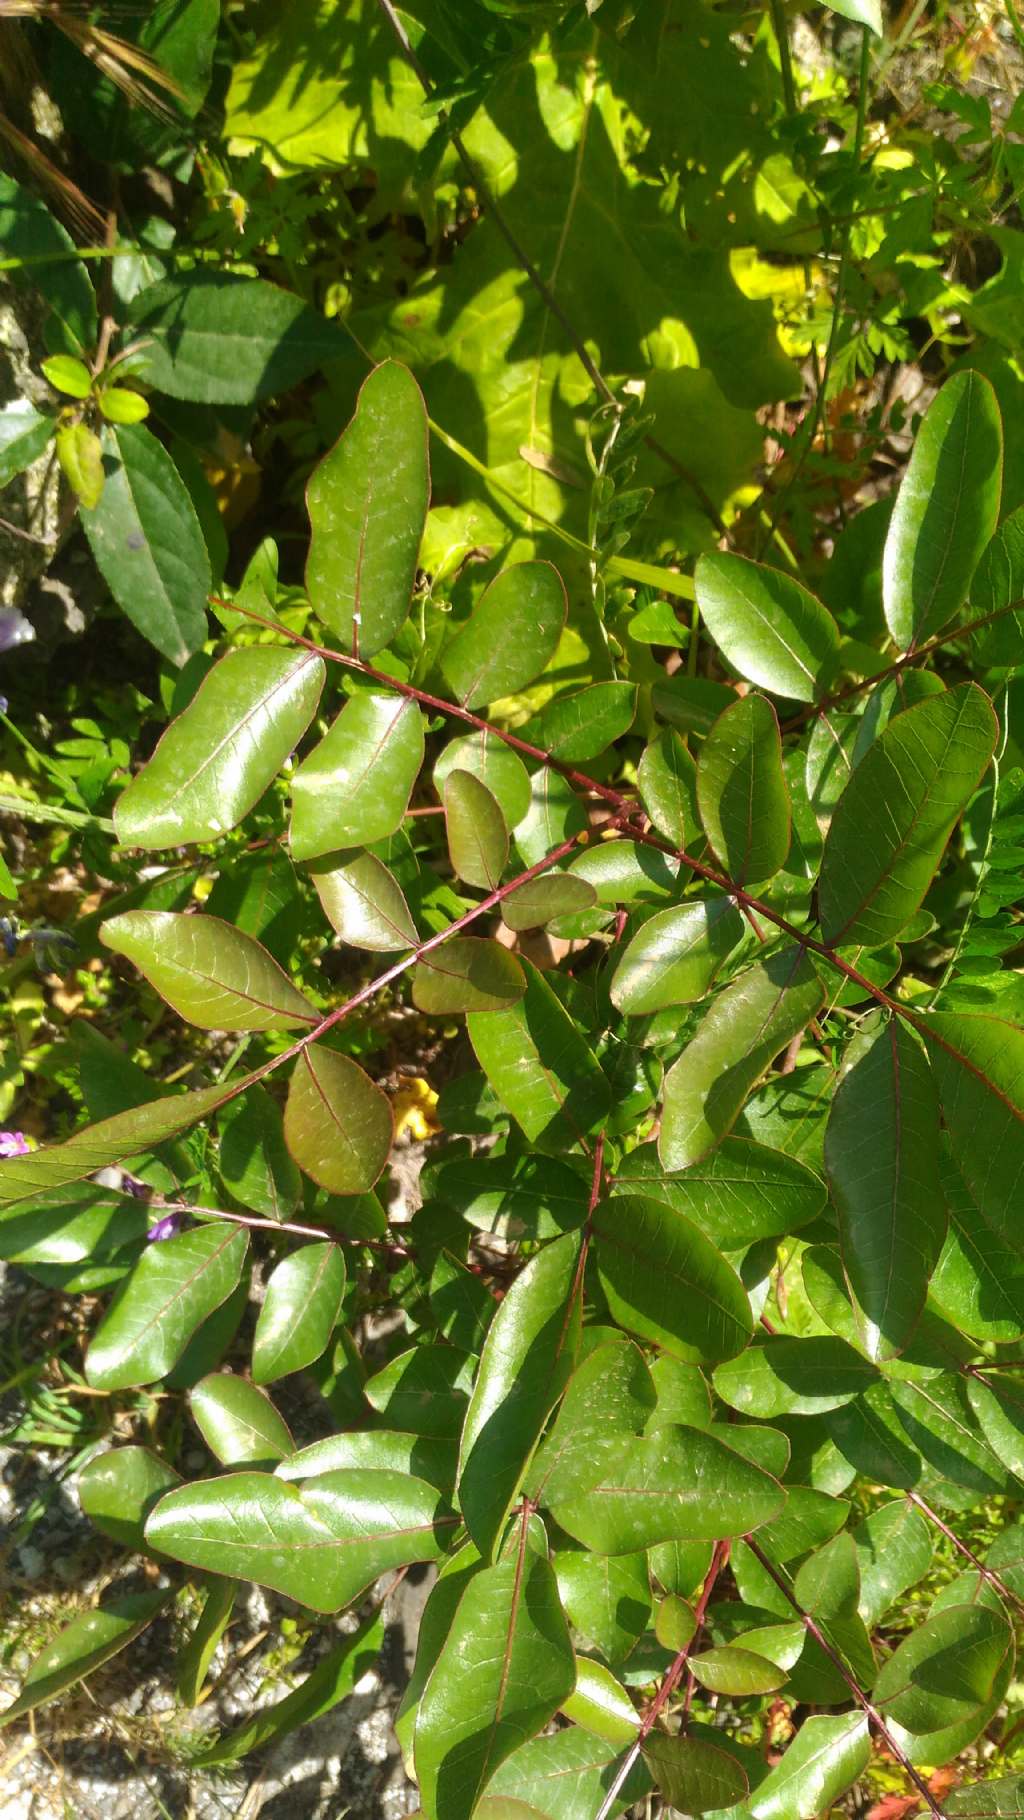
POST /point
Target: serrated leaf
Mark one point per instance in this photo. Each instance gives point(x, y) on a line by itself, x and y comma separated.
point(742, 1033)
point(741, 791)
point(83, 1646)
point(148, 543)
point(666, 1282)
point(119, 1488)
point(767, 625)
point(739, 1194)
point(174, 1286)
point(503, 1671)
point(238, 1422)
point(541, 1067)
point(364, 903)
point(525, 1364)
point(467, 973)
point(946, 509)
point(945, 1669)
point(674, 956)
point(924, 767)
point(219, 338)
point(825, 1757)
point(882, 1157)
point(510, 636)
point(978, 1064)
point(354, 787)
point(677, 1484)
point(216, 759)
point(300, 1311)
point(331, 1537)
point(790, 1376)
point(694, 1776)
point(208, 972)
point(574, 728)
point(337, 1124)
point(477, 835)
point(367, 501)
point(253, 1158)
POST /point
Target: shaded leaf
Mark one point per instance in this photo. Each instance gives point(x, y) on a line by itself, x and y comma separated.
point(82, 1647)
point(218, 338)
point(825, 1757)
point(978, 1064)
point(542, 899)
point(667, 781)
point(739, 1194)
point(894, 1552)
point(674, 956)
point(568, 1774)
point(119, 1488)
point(300, 1311)
point(368, 500)
point(428, 1457)
point(24, 434)
point(574, 728)
point(198, 1653)
point(156, 1310)
point(253, 1158)
point(944, 1670)
point(333, 1679)
point(694, 1776)
point(424, 1390)
point(610, 1394)
point(467, 974)
point(666, 1282)
point(790, 1376)
point(337, 1124)
point(216, 759)
point(541, 1067)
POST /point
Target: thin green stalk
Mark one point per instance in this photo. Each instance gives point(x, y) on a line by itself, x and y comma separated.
point(781, 31)
point(49, 815)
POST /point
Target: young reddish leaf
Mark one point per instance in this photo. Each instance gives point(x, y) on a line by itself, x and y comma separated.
point(477, 835)
point(337, 1124)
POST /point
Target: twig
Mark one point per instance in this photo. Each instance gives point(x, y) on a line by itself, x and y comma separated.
point(962, 1548)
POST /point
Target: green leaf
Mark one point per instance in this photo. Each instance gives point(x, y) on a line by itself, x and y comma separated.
point(940, 1424)
point(568, 1774)
point(504, 1669)
point(198, 1653)
point(767, 625)
point(510, 636)
point(740, 1036)
point(675, 1623)
point(119, 1488)
point(882, 1157)
point(868, 1432)
point(827, 1583)
point(29, 233)
point(495, 764)
point(894, 1552)
point(999, 1408)
point(946, 510)
point(978, 1282)
point(429, 1457)
point(514, 1196)
point(477, 835)
point(80, 453)
point(541, 1067)
point(666, 1282)
point(945, 1669)
point(217, 338)
point(526, 1361)
point(731, 1670)
point(826, 1756)
point(120, 405)
point(337, 1124)
point(208, 972)
point(70, 1226)
point(354, 787)
point(674, 956)
point(667, 781)
point(694, 1776)
point(253, 1158)
point(467, 974)
point(239, 1423)
point(24, 435)
point(68, 375)
point(145, 536)
point(332, 1680)
point(300, 1311)
point(331, 1536)
point(462, 1305)
point(424, 1390)
point(111, 1141)
point(217, 758)
point(739, 1194)
point(156, 1310)
point(601, 1704)
point(862, 12)
point(978, 1064)
point(364, 903)
point(607, 1598)
point(609, 1395)
point(368, 502)
point(542, 899)
point(573, 728)
point(998, 1798)
point(741, 791)
point(788, 1376)
point(675, 1485)
point(82, 1647)
point(924, 767)
point(622, 871)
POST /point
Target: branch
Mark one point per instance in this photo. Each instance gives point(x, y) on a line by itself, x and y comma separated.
point(986, 1573)
point(872, 1713)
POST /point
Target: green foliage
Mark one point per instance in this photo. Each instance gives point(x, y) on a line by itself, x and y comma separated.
point(706, 1335)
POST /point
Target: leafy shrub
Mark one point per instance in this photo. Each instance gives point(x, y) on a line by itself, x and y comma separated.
point(698, 1338)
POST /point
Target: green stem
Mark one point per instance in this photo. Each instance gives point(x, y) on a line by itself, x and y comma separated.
point(785, 59)
point(47, 813)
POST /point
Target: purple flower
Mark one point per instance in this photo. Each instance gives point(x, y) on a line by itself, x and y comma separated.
point(165, 1228)
point(14, 1143)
